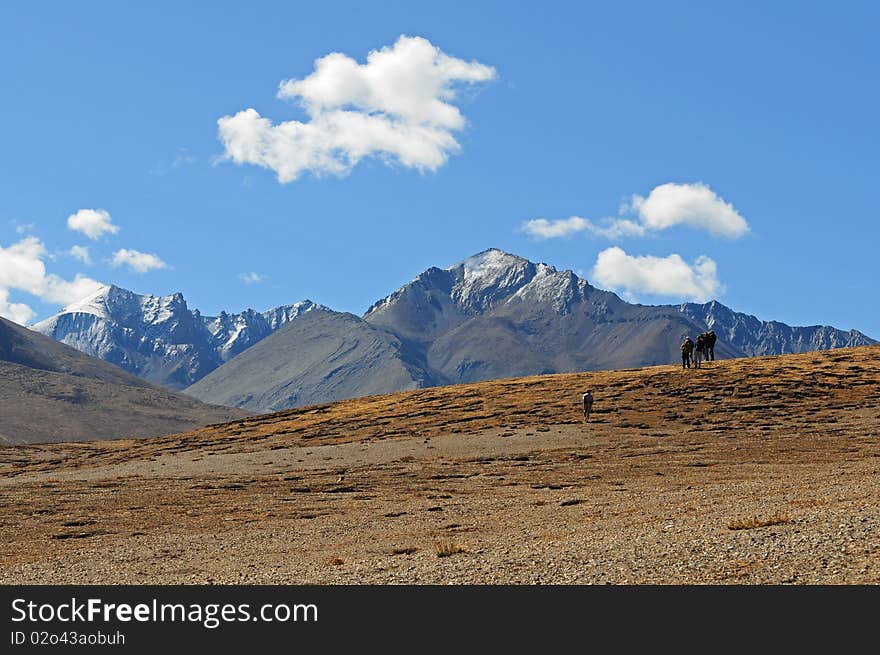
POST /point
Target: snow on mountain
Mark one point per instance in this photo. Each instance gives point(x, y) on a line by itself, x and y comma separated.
point(487, 280)
point(233, 333)
point(492, 315)
point(159, 338)
point(286, 313)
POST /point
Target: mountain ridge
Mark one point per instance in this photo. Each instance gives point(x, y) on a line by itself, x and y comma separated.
point(491, 315)
point(159, 338)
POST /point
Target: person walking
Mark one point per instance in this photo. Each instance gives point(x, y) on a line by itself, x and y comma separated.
point(588, 404)
point(687, 348)
point(711, 338)
point(699, 350)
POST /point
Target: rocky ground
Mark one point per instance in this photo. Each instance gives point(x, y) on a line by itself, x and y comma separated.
point(747, 471)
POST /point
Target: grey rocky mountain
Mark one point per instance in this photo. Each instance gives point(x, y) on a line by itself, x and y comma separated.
point(493, 315)
point(158, 338)
point(320, 357)
point(51, 392)
point(498, 315)
point(754, 337)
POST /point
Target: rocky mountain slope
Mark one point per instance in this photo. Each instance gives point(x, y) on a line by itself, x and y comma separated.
point(493, 315)
point(158, 338)
point(52, 392)
point(754, 337)
point(498, 315)
point(320, 357)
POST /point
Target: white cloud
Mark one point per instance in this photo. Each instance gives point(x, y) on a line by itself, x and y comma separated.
point(139, 262)
point(666, 206)
point(251, 278)
point(24, 228)
point(80, 253)
point(22, 268)
point(663, 276)
point(92, 222)
point(397, 106)
point(689, 204)
point(15, 312)
point(541, 228)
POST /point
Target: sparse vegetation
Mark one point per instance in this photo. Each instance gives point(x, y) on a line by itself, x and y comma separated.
point(447, 548)
point(755, 522)
point(506, 508)
point(408, 550)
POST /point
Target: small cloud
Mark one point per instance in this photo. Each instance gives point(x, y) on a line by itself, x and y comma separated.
point(663, 276)
point(182, 158)
point(666, 206)
point(80, 253)
point(398, 107)
point(689, 204)
point(24, 228)
point(92, 222)
point(611, 228)
point(139, 262)
point(17, 312)
point(251, 278)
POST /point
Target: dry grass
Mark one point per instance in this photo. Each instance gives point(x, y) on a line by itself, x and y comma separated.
point(794, 435)
point(447, 548)
point(631, 401)
point(755, 522)
point(409, 550)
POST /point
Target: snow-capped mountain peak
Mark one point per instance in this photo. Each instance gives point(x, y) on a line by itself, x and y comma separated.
point(488, 277)
point(480, 283)
point(95, 303)
point(158, 337)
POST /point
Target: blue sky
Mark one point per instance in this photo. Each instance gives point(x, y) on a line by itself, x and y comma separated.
point(772, 107)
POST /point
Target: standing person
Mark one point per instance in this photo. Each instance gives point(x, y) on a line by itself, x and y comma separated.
point(687, 347)
point(700, 350)
point(711, 338)
point(588, 404)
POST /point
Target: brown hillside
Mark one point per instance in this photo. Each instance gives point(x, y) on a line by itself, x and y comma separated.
point(50, 392)
point(750, 470)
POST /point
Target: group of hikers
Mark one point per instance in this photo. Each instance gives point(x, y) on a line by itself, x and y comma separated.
point(703, 349)
point(691, 351)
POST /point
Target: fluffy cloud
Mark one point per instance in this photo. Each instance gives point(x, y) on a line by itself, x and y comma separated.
point(80, 253)
point(22, 268)
point(666, 206)
point(139, 262)
point(251, 278)
point(541, 228)
point(663, 276)
point(689, 204)
point(397, 106)
point(15, 311)
point(92, 222)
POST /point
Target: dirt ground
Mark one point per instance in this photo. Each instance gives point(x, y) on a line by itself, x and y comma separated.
point(747, 471)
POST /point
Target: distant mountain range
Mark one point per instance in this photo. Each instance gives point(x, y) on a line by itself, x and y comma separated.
point(159, 338)
point(51, 392)
point(493, 315)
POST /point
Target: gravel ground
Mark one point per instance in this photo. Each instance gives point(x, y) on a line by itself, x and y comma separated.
point(767, 473)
